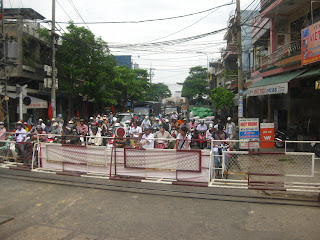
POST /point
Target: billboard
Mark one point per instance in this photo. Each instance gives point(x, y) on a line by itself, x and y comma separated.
point(310, 44)
point(267, 135)
point(249, 131)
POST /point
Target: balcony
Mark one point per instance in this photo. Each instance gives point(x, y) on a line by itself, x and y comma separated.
point(277, 58)
point(278, 8)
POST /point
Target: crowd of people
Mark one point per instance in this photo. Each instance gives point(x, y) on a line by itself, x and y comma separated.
point(142, 131)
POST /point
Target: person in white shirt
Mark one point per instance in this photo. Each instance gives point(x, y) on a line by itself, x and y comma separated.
point(183, 140)
point(135, 130)
point(145, 122)
point(231, 129)
point(21, 135)
point(174, 116)
point(95, 137)
point(42, 124)
point(147, 139)
point(202, 126)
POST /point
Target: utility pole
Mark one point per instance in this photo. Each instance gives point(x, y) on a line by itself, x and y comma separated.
point(240, 74)
point(3, 66)
point(53, 73)
point(151, 74)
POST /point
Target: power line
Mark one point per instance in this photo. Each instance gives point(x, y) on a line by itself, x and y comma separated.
point(64, 11)
point(153, 20)
point(76, 10)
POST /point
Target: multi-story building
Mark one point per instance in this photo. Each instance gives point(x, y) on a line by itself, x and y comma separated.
point(31, 64)
point(281, 88)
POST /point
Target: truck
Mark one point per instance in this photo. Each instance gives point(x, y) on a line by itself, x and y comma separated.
point(176, 104)
point(147, 108)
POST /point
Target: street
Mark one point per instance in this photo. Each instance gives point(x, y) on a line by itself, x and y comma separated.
point(76, 208)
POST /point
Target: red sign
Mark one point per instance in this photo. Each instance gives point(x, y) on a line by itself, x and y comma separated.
point(267, 135)
point(310, 44)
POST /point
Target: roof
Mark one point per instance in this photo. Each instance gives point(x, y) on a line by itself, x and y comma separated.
point(310, 73)
point(27, 13)
point(283, 78)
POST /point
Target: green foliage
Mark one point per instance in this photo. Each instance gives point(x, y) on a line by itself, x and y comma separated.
point(222, 98)
point(85, 65)
point(129, 85)
point(44, 33)
point(195, 83)
point(157, 91)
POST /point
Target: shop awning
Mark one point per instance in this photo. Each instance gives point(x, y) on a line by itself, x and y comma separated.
point(35, 102)
point(310, 73)
point(273, 85)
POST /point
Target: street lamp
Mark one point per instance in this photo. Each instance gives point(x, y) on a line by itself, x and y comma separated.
point(207, 65)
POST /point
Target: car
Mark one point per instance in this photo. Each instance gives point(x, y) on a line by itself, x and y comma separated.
point(124, 117)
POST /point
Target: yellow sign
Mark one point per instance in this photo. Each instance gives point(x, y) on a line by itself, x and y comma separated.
point(317, 85)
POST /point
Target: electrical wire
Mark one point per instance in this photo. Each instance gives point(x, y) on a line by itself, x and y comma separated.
point(153, 20)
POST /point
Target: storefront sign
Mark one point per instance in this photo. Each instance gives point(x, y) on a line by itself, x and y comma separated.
point(267, 135)
point(268, 90)
point(249, 131)
point(310, 42)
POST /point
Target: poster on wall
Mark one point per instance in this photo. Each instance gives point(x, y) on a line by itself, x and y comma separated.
point(267, 135)
point(249, 132)
point(310, 44)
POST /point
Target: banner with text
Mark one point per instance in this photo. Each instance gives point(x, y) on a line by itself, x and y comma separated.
point(310, 44)
point(267, 135)
point(249, 131)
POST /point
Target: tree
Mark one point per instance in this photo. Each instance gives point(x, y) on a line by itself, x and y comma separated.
point(129, 85)
point(195, 84)
point(222, 98)
point(84, 65)
point(157, 91)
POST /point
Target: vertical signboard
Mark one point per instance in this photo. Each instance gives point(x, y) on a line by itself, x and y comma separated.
point(249, 131)
point(310, 44)
point(267, 135)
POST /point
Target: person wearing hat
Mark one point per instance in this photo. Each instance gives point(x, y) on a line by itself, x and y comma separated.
point(145, 122)
point(95, 138)
point(147, 140)
point(184, 123)
point(231, 129)
point(2, 131)
point(40, 122)
point(82, 129)
point(70, 135)
point(49, 127)
point(55, 129)
point(21, 135)
point(156, 125)
point(39, 134)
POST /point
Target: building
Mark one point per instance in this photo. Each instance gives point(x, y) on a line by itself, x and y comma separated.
point(282, 87)
point(29, 43)
point(227, 75)
point(124, 60)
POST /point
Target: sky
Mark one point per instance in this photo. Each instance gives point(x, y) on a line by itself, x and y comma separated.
point(170, 63)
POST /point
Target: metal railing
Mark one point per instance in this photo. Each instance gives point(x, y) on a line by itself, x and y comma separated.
point(281, 53)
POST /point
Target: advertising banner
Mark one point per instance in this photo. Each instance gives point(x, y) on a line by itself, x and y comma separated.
point(310, 44)
point(267, 134)
point(268, 90)
point(249, 131)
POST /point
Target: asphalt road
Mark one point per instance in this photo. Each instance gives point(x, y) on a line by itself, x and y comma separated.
point(43, 210)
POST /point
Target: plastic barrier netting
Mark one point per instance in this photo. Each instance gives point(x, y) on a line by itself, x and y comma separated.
point(157, 159)
point(295, 164)
point(95, 156)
